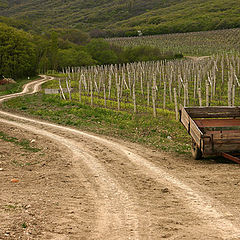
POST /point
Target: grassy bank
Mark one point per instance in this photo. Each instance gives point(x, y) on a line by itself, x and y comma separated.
point(163, 132)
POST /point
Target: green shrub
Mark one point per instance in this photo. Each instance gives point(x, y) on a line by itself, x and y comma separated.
point(17, 53)
point(145, 53)
point(101, 51)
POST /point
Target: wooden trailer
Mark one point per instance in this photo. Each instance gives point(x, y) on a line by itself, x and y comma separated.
point(215, 131)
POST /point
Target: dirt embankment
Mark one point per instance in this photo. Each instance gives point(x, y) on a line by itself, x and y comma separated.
point(82, 186)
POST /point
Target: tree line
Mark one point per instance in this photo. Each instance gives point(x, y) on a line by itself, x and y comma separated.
point(23, 54)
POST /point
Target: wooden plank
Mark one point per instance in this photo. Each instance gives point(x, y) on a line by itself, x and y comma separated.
point(221, 128)
point(191, 127)
point(226, 147)
point(196, 138)
point(207, 147)
point(213, 112)
point(217, 122)
point(224, 134)
point(195, 131)
point(184, 118)
point(227, 140)
point(220, 145)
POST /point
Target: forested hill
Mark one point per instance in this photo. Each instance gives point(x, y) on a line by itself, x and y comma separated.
point(125, 17)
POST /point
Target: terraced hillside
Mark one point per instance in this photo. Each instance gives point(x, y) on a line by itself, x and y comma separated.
point(125, 17)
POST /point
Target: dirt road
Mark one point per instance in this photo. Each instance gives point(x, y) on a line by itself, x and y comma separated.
point(83, 186)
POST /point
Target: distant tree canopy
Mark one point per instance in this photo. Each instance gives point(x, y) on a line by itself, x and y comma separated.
point(102, 52)
point(23, 54)
point(74, 36)
point(17, 53)
point(74, 57)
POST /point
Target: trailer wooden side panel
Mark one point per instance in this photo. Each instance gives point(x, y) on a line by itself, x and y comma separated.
point(216, 147)
point(225, 141)
point(213, 112)
point(191, 127)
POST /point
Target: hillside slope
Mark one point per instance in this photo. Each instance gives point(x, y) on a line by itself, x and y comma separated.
point(125, 17)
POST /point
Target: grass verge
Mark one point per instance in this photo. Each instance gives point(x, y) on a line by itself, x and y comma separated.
point(163, 132)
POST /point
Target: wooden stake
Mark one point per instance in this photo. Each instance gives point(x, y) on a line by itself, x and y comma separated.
point(154, 97)
point(91, 92)
point(134, 97)
point(200, 97)
point(104, 94)
point(69, 90)
point(118, 95)
point(164, 95)
point(148, 93)
point(175, 102)
point(80, 89)
point(109, 85)
point(61, 90)
point(185, 95)
point(233, 95)
point(207, 94)
point(229, 93)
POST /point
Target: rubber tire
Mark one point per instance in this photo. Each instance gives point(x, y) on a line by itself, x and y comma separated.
point(196, 152)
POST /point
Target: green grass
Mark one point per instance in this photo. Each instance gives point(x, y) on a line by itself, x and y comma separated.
point(24, 225)
point(23, 143)
point(11, 208)
point(15, 87)
point(163, 132)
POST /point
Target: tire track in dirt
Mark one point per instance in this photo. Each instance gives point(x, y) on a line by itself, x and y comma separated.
point(214, 216)
point(116, 215)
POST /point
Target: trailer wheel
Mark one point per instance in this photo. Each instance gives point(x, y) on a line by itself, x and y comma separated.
point(196, 152)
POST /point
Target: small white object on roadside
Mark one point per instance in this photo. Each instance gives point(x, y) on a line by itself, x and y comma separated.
point(1, 169)
point(33, 140)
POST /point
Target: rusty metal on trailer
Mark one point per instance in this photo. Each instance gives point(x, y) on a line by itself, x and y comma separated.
point(235, 157)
